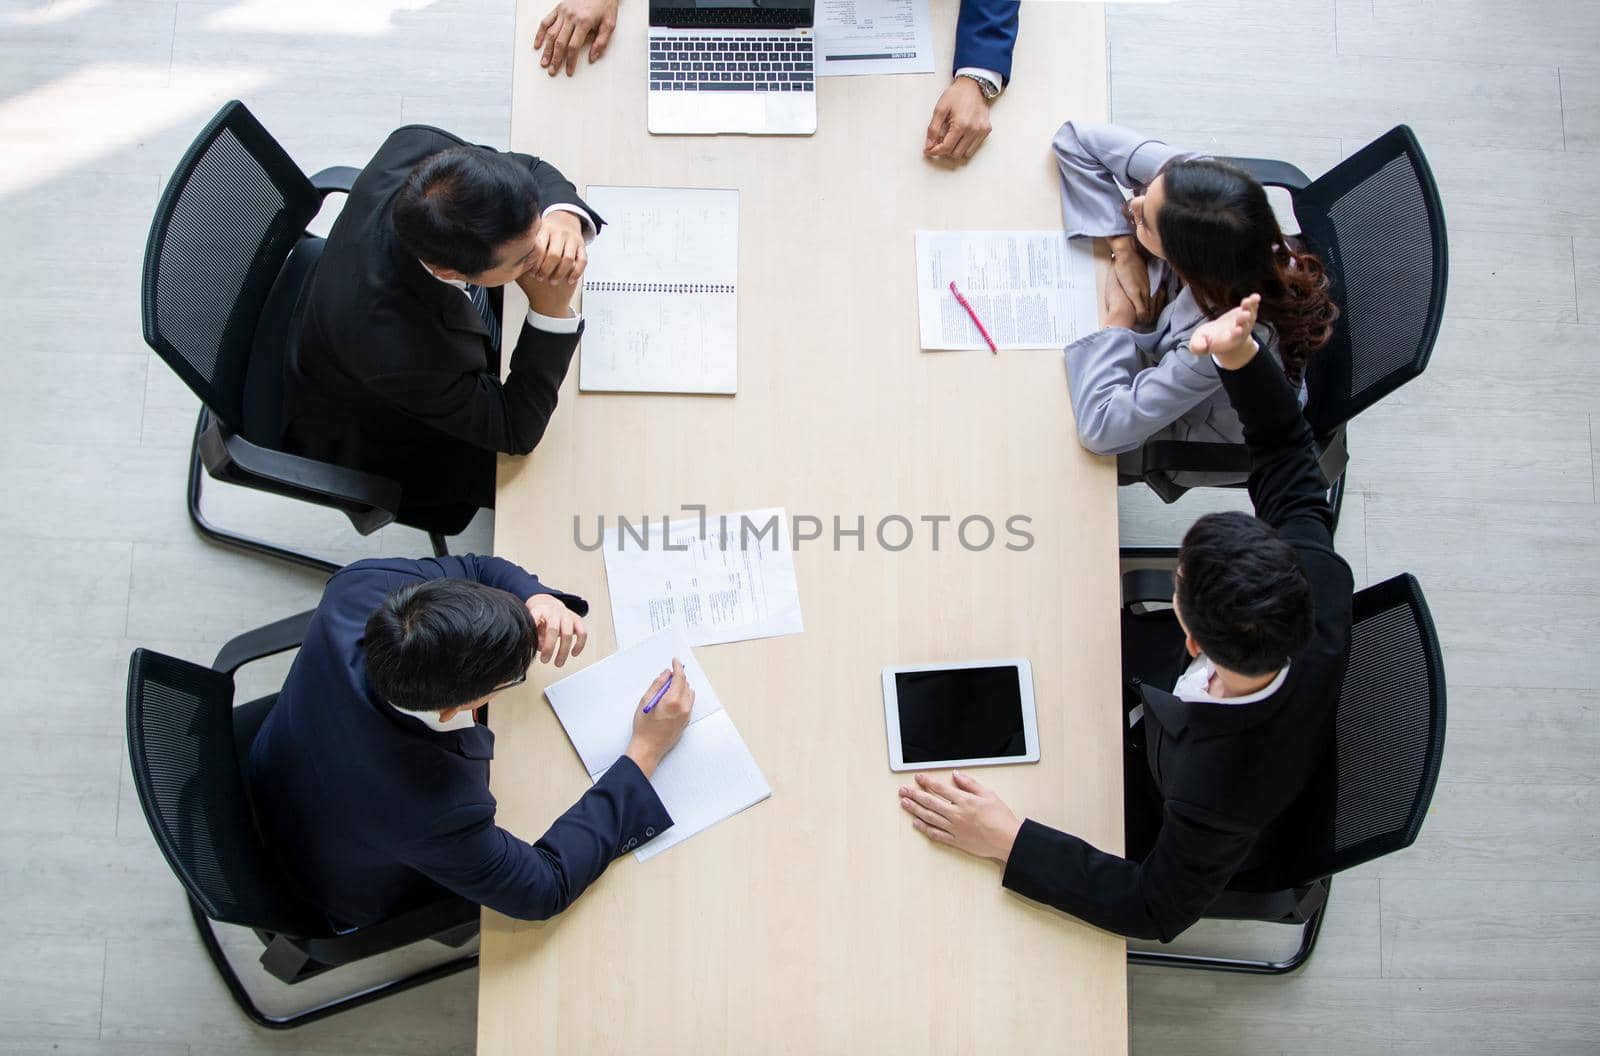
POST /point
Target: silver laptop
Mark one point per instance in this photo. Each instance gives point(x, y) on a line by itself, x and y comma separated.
point(732, 66)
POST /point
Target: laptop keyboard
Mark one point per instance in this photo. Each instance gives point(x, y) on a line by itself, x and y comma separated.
point(730, 64)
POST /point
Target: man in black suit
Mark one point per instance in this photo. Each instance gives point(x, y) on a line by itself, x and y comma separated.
point(1215, 768)
point(370, 775)
point(396, 365)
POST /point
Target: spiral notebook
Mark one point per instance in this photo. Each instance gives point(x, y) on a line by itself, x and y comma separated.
point(660, 293)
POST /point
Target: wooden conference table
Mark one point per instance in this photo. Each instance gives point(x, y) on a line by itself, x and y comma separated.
point(819, 921)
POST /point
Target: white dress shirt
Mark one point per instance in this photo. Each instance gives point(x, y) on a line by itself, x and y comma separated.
point(430, 719)
point(994, 79)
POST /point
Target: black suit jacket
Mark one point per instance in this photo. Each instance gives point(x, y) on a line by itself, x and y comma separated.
point(1231, 777)
point(393, 371)
point(372, 812)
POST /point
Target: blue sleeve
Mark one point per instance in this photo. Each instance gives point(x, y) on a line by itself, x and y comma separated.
point(482, 862)
point(490, 571)
point(986, 33)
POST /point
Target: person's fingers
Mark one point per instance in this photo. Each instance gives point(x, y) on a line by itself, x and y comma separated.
point(602, 37)
point(568, 271)
point(580, 261)
point(936, 835)
point(967, 783)
point(655, 687)
point(933, 787)
point(550, 257)
point(544, 29)
point(545, 60)
point(973, 140)
point(566, 643)
point(563, 37)
point(945, 146)
point(921, 813)
point(581, 639)
point(931, 803)
point(936, 127)
point(581, 34)
point(1200, 343)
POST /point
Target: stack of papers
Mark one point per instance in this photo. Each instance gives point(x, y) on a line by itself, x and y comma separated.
point(1031, 289)
point(709, 776)
point(732, 581)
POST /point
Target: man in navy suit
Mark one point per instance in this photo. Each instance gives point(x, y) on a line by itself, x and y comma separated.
point(370, 775)
point(986, 33)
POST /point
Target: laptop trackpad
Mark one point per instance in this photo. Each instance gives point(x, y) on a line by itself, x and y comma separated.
point(707, 113)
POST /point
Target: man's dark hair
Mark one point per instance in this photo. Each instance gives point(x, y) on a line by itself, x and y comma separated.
point(444, 642)
point(459, 205)
point(1243, 593)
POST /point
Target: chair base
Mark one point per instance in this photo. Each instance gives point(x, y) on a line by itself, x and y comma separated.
point(247, 1005)
point(1310, 927)
point(237, 539)
point(246, 542)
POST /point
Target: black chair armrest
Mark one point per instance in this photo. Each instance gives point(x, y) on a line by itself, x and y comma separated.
point(1178, 456)
point(1272, 173)
point(285, 634)
point(335, 178)
point(1142, 586)
point(225, 452)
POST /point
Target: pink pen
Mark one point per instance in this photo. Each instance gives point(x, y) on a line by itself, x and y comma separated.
point(975, 320)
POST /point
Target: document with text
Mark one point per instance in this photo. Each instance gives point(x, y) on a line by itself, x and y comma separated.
point(873, 36)
point(724, 579)
point(708, 776)
point(1030, 289)
point(660, 293)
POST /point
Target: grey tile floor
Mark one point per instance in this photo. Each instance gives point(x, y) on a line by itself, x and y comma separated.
point(1480, 478)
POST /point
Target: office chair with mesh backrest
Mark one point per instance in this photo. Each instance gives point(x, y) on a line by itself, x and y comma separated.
point(1377, 223)
point(225, 266)
point(187, 744)
point(1389, 729)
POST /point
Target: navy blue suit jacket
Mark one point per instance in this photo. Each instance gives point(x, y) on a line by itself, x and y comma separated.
point(986, 32)
point(372, 812)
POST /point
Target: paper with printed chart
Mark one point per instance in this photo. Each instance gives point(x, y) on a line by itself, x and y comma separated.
point(1031, 289)
point(724, 579)
point(708, 776)
point(660, 293)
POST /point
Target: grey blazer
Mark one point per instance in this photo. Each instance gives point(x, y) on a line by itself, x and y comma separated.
point(1132, 386)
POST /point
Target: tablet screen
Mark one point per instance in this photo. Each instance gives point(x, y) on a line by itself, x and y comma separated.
point(963, 713)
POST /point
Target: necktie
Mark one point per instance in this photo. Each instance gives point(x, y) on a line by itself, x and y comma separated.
point(480, 301)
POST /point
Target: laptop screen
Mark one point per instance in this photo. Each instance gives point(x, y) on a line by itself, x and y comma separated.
point(732, 14)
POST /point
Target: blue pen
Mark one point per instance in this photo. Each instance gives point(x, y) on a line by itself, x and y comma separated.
point(659, 694)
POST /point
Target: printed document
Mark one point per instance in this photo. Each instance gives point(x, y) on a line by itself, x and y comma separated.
point(1031, 289)
point(724, 579)
point(660, 293)
point(873, 36)
point(708, 776)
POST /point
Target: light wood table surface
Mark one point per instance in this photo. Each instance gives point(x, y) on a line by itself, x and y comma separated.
point(819, 921)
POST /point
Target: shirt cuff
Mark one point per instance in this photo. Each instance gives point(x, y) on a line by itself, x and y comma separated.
point(995, 80)
point(583, 218)
point(553, 325)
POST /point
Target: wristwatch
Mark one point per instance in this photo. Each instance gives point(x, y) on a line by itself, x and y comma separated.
point(990, 90)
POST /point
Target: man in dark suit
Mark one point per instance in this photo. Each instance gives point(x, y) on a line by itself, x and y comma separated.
point(396, 365)
point(1216, 766)
point(370, 775)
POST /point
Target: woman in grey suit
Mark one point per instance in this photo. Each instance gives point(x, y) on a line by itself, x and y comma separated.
point(1196, 238)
